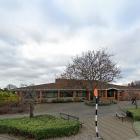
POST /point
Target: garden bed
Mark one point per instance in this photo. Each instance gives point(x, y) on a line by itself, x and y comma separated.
point(39, 127)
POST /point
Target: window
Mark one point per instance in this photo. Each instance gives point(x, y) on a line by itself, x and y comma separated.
point(49, 94)
point(66, 94)
point(84, 93)
point(102, 93)
point(78, 94)
point(110, 93)
point(37, 95)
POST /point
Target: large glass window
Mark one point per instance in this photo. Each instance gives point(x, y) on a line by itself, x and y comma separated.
point(66, 94)
point(49, 94)
point(84, 93)
point(102, 93)
point(78, 94)
point(37, 95)
point(44, 94)
point(110, 93)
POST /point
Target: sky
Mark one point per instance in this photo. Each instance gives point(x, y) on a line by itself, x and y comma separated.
point(38, 38)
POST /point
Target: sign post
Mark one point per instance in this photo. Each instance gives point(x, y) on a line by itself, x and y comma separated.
point(96, 112)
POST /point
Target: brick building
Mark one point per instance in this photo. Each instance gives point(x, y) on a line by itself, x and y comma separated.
point(76, 90)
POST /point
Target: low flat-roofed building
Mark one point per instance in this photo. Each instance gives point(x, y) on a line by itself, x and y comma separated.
point(76, 90)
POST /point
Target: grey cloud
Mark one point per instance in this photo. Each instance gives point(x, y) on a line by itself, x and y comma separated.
point(10, 39)
point(14, 67)
point(127, 53)
point(9, 4)
point(128, 46)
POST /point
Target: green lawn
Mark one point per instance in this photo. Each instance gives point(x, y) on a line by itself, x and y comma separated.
point(39, 127)
point(137, 127)
point(135, 113)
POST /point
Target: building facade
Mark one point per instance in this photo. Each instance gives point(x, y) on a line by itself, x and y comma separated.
point(76, 90)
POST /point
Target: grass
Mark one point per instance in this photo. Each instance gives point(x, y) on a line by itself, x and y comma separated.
point(137, 127)
point(134, 113)
point(39, 127)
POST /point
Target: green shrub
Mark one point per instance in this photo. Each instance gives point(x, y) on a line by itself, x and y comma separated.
point(61, 100)
point(8, 97)
point(134, 113)
point(39, 127)
point(77, 99)
point(92, 103)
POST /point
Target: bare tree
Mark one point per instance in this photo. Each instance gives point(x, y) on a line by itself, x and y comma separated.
point(93, 66)
point(134, 84)
point(30, 100)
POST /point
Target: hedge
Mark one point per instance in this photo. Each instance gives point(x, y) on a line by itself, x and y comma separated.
point(92, 103)
point(39, 127)
point(62, 100)
point(134, 113)
point(66, 100)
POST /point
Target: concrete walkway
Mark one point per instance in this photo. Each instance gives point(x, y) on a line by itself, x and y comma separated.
point(7, 137)
point(110, 128)
point(137, 138)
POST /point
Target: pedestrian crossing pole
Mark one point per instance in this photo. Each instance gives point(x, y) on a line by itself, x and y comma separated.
point(96, 112)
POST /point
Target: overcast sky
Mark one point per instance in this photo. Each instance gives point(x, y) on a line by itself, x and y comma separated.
point(39, 37)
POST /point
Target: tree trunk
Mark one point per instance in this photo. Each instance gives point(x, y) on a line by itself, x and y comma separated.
point(31, 110)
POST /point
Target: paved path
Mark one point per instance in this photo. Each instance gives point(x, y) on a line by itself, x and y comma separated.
point(127, 104)
point(7, 137)
point(110, 128)
point(113, 128)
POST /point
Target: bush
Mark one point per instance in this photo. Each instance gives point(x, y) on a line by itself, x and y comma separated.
point(92, 103)
point(61, 100)
point(134, 113)
point(39, 127)
point(8, 98)
point(77, 99)
point(58, 101)
point(8, 102)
